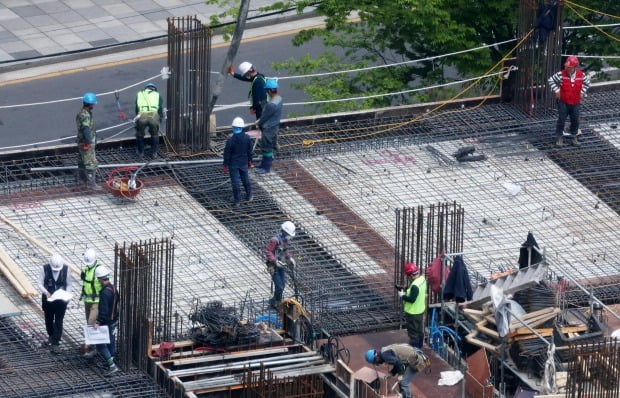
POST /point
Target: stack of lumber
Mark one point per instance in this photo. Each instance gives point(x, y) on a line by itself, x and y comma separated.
point(485, 333)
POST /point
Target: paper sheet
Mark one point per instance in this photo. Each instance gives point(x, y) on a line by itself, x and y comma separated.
point(61, 294)
point(93, 336)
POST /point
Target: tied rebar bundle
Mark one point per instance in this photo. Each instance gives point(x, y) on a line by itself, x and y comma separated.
point(219, 326)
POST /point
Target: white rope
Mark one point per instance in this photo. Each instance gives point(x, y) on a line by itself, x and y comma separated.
point(397, 63)
point(591, 26)
point(79, 98)
point(595, 56)
point(504, 73)
point(69, 137)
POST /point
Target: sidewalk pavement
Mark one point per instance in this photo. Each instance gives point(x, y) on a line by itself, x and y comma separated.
point(35, 29)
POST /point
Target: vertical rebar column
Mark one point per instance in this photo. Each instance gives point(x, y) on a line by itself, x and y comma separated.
point(539, 56)
point(189, 60)
point(143, 275)
point(421, 237)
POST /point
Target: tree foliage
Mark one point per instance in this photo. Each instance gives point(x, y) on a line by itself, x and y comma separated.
point(361, 33)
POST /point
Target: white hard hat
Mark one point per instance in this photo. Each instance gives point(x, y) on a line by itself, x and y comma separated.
point(288, 227)
point(56, 262)
point(238, 122)
point(90, 257)
point(102, 272)
point(244, 68)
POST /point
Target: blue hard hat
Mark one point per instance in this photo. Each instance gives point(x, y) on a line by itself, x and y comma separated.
point(370, 356)
point(150, 84)
point(89, 98)
point(271, 83)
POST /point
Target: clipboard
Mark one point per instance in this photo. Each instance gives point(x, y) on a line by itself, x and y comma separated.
point(93, 336)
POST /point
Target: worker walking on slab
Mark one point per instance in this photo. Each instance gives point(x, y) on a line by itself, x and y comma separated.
point(149, 113)
point(107, 315)
point(90, 292)
point(406, 362)
point(54, 276)
point(269, 124)
point(237, 161)
point(86, 140)
point(277, 256)
point(414, 305)
point(570, 85)
point(257, 95)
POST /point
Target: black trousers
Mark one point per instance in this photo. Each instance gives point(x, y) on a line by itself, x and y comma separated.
point(54, 315)
point(415, 329)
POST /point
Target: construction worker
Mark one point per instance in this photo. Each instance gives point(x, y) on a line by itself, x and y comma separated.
point(257, 95)
point(86, 140)
point(237, 161)
point(269, 123)
point(277, 256)
point(570, 85)
point(149, 113)
point(54, 276)
point(107, 315)
point(90, 292)
point(407, 361)
point(414, 298)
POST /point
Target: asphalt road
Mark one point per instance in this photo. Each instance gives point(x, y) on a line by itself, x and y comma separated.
point(51, 124)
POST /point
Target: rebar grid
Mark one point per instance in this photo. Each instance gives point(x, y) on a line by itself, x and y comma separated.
point(342, 277)
point(26, 369)
point(594, 369)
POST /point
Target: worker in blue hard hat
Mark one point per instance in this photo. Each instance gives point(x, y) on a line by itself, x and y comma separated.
point(406, 362)
point(269, 124)
point(86, 140)
point(149, 113)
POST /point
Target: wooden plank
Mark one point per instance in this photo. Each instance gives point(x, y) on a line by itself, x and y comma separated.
point(526, 334)
point(480, 326)
point(471, 337)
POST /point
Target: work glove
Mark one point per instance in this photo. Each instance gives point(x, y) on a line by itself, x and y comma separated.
point(231, 70)
point(401, 293)
point(85, 146)
point(250, 165)
point(400, 378)
point(253, 111)
point(292, 262)
point(225, 169)
point(135, 119)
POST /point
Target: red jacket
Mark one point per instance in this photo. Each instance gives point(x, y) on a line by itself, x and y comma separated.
point(570, 92)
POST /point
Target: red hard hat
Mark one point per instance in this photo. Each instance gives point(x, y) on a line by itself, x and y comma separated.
point(411, 269)
point(571, 62)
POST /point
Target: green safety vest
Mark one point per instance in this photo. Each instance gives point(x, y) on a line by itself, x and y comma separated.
point(419, 305)
point(91, 286)
point(148, 101)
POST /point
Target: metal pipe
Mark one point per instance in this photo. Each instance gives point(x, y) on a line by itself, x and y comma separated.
point(146, 164)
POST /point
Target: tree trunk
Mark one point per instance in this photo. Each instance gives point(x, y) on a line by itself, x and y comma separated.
point(232, 52)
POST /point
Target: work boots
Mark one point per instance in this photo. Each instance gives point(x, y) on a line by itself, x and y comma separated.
point(80, 177)
point(154, 146)
point(140, 146)
point(265, 165)
point(91, 183)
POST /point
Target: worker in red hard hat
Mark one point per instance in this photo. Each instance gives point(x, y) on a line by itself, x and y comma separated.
point(414, 306)
point(570, 85)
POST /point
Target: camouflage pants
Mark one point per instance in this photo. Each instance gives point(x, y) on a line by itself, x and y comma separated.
point(87, 159)
point(148, 120)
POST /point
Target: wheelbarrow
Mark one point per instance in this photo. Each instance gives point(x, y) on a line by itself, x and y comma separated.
point(122, 182)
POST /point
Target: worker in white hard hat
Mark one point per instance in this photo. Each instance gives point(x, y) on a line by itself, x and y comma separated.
point(258, 96)
point(54, 276)
point(237, 161)
point(277, 256)
point(107, 315)
point(90, 292)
